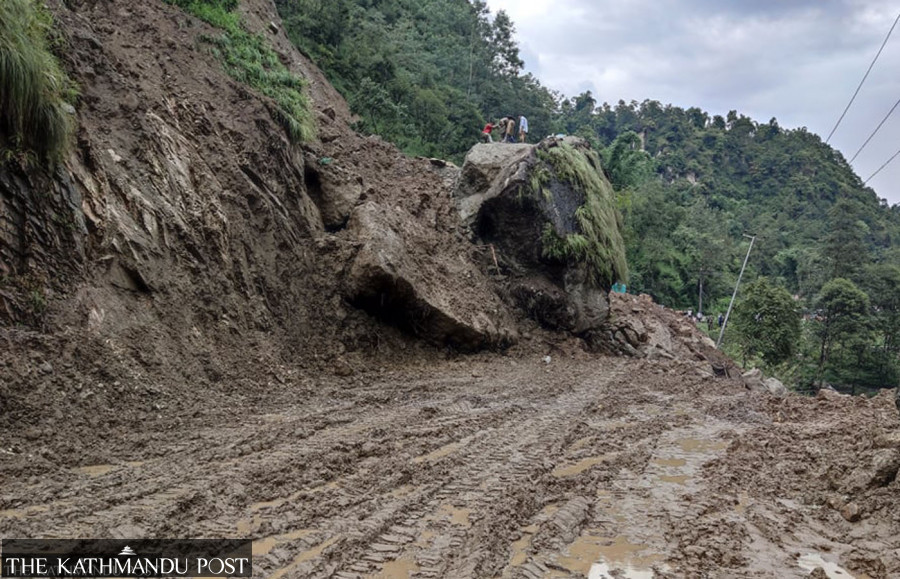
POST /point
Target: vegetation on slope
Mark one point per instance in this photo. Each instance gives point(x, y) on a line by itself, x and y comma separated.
point(424, 74)
point(35, 115)
point(249, 59)
point(691, 185)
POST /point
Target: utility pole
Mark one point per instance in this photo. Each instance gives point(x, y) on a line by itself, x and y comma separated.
point(752, 238)
point(700, 295)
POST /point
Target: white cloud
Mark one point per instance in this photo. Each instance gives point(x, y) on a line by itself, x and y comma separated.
point(798, 61)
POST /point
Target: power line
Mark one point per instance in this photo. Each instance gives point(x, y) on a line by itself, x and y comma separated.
point(888, 162)
point(878, 128)
point(863, 80)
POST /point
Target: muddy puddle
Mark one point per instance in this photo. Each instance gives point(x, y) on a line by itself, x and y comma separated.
point(304, 557)
point(443, 451)
point(401, 568)
point(598, 556)
point(811, 561)
point(581, 466)
point(455, 515)
point(265, 545)
point(674, 479)
point(701, 445)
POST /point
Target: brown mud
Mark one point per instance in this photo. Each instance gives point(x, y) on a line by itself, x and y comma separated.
point(489, 466)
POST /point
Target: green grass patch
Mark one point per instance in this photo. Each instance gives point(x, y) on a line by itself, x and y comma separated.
point(599, 244)
point(249, 59)
point(35, 92)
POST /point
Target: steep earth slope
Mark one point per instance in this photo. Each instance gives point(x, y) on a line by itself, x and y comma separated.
point(186, 244)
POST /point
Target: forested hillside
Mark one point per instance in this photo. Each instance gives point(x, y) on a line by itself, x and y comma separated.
point(692, 187)
point(424, 74)
point(427, 74)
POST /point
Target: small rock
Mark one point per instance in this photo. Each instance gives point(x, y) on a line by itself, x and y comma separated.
point(887, 440)
point(342, 368)
point(829, 394)
point(273, 27)
point(851, 512)
point(547, 359)
point(818, 573)
point(46, 368)
point(775, 387)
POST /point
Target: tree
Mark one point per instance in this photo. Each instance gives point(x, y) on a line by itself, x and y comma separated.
point(506, 57)
point(844, 244)
point(842, 317)
point(767, 322)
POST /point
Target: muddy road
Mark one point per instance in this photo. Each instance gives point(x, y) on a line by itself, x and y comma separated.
point(490, 467)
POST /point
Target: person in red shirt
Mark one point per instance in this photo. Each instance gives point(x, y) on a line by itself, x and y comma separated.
point(486, 133)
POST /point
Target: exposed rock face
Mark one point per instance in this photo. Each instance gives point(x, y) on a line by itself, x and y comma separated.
point(489, 170)
point(334, 189)
point(511, 199)
point(430, 298)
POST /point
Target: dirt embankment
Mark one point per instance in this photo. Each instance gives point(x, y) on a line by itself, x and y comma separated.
point(186, 247)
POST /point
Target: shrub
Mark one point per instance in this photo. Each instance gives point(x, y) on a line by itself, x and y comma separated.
point(34, 114)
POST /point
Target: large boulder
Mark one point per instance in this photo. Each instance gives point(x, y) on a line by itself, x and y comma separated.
point(754, 381)
point(548, 214)
point(437, 298)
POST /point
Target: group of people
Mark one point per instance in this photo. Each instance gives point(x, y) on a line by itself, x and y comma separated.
point(507, 126)
point(711, 321)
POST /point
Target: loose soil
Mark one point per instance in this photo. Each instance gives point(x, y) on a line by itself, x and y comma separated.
point(485, 466)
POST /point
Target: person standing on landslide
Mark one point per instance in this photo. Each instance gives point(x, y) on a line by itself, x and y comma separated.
point(523, 129)
point(486, 133)
point(501, 124)
point(511, 129)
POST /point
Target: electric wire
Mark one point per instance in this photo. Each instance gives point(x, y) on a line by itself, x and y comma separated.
point(863, 79)
point(893, 108)
point(886, 163)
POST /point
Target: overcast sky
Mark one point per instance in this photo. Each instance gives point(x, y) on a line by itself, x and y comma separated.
point(796, 60)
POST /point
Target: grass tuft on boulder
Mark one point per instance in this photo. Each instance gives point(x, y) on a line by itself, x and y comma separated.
point(598, 244)
point(35, 115)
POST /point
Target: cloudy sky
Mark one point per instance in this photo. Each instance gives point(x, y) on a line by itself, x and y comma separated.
point(796, 60)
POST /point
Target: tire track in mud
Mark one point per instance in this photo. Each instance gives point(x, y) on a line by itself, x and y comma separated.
point(452, 536)
point(522, 470)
